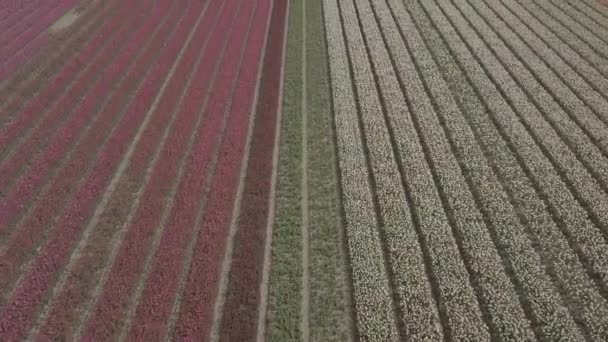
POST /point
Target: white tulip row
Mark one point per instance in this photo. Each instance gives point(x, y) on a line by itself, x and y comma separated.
point(474, 199)
point(576, 28)
point(373, 301)
point(587, 22)
point(589, 53)
point(498, 293)
point(552, 242)
point(570, 213)
point(584, 154)
point(540, 38)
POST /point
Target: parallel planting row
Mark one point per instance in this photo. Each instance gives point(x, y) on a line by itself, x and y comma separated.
point(328, 170)
point(471, 149)
point(23, 28)
point(135, 163)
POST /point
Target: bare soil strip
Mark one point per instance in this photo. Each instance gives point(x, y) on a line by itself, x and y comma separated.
point(65, 21)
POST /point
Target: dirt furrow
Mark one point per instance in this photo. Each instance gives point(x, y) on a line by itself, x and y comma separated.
point(305, 226)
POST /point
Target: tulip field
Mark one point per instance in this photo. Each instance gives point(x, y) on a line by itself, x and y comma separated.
point(304, 170)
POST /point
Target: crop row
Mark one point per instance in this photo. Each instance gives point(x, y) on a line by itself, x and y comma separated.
point(28, 81)
point(60, 240)
point(481, 100)
point(240, 292)
point(29, 112)
point(133, 268)
point(55, 137)
point(139, 191)
point(29, 231)
point(99, 246)
point(477, 156)
point(579, 182)
point(27, 228)
point(442, 164)
point(23, 32)
point(372, 298)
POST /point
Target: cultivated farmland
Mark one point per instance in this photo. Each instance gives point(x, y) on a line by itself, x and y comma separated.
point(312, 170)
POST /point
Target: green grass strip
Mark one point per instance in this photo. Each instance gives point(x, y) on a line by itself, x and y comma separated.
point(328, 308)
point(286, 260)
point(329, 300)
